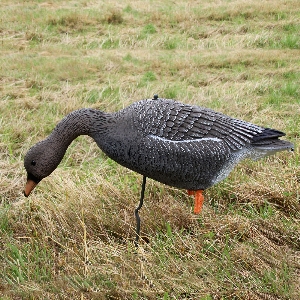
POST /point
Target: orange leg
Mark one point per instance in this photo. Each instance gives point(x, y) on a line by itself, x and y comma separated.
point(199, 199)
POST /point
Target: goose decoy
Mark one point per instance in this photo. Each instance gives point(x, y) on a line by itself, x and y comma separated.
point(184, 146)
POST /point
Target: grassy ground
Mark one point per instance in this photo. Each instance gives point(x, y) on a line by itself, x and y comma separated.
point(73, 237)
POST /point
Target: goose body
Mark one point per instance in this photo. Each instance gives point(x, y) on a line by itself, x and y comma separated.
point(180, 145)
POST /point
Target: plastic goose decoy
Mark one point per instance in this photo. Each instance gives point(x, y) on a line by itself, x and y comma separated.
point(181, 145)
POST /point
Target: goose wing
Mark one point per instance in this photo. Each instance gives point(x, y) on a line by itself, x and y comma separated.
point(175, 121)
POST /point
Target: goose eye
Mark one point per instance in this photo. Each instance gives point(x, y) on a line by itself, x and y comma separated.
point(33, 163)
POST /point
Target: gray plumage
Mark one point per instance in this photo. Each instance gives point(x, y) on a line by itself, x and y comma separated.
point(180, 145)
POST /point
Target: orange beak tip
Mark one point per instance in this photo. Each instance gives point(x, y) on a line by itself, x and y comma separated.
point(30, 185)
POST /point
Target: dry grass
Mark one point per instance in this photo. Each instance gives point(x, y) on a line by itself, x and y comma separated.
point(73, 238)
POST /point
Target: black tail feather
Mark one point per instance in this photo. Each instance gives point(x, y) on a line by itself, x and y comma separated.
point(267, 134)
point(268, 140)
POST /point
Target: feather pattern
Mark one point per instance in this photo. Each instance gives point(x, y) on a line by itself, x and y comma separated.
point(176, 121)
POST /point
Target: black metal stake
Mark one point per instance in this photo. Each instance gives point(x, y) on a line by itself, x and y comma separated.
point(136, 213)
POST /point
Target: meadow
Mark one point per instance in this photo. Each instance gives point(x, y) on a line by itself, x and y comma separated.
point(73, 237)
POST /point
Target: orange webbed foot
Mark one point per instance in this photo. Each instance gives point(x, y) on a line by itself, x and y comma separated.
point(199, 199)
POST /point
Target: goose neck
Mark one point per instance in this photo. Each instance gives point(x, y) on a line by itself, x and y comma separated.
point(79, 122)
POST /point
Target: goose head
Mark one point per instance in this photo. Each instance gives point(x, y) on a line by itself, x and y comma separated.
point(40, 161)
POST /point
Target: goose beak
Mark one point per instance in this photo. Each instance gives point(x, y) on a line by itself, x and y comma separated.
point(30, 185)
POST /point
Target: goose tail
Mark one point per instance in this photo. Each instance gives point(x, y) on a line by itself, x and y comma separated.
point(267, 142)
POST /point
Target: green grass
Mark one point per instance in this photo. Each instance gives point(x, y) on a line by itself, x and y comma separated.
point(73, 237)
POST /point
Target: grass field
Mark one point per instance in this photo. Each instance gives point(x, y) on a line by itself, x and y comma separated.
point(73, 237)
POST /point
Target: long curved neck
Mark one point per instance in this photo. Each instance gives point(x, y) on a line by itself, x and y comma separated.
point(79, 122)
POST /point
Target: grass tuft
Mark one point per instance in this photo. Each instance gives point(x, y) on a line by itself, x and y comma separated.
point(114, 17)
